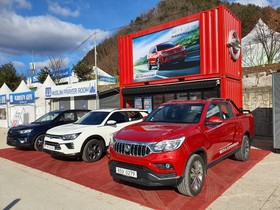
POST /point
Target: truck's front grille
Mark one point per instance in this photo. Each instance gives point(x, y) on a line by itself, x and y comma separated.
point(132, 149)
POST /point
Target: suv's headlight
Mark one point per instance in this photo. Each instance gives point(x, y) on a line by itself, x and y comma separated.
point(70, 136)
point(25, 131)
point(167, 145)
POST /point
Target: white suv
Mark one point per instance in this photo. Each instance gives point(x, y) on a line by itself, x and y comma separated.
point(89, 136)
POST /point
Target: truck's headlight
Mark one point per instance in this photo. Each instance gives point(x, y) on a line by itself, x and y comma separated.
point(25, 131)
point(70, 136)
point(167, 145)
point(112, 141)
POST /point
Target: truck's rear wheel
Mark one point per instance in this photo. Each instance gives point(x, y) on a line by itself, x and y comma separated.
point(244, 152)
point(193, 178)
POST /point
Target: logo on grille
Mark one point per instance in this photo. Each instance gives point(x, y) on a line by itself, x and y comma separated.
point(127, 148)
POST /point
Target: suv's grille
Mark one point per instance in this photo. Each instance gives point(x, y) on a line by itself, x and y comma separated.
point(133, 149)
point(56, 145)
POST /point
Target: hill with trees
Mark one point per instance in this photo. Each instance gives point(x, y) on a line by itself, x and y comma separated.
point(168, 10)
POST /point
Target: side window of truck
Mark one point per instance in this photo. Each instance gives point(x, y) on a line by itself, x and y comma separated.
point(213, 110)
point(226, 111)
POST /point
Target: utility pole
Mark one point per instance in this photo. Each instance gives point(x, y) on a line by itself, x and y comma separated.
point(96, 71)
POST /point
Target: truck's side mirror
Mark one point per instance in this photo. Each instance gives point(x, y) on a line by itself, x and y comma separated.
point(214, 120)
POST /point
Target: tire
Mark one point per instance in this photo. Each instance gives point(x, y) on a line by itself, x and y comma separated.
point(193, 177)
point(149, 66)
point(159, 66)
point(93, 151)
point(39, 142)
point(244, 152)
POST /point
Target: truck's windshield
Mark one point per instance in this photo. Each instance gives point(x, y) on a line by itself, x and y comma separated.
point(176, 113)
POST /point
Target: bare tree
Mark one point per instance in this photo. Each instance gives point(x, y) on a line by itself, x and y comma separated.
point(252, 55)
point(269, 39)
point(56, 64)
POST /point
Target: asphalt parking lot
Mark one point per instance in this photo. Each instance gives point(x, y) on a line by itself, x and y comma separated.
point(23, 187)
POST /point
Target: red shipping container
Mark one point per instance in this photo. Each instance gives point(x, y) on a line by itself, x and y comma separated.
point(201, 47)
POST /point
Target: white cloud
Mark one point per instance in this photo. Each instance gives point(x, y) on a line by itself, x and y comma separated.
point(41, 64)
point(23, 4)
point(9, 4)
point(45, 35)
point(63, 11)
point(18, 64)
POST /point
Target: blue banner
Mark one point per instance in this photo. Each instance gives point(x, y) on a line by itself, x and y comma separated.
point(2, 99)
point(60, 74)
point(107, 79)
point(22, 98)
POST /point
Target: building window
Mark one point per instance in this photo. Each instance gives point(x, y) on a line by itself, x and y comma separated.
point(195, 95)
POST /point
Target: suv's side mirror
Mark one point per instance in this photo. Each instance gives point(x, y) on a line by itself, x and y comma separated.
point(214, 120)
point(111, 122)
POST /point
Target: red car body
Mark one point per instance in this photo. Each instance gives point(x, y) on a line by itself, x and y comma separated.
point(161, 151)
point(165, 53)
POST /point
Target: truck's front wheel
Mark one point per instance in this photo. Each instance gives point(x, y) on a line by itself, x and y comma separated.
point(193, 178)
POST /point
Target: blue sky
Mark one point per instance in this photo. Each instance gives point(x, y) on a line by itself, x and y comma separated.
point(36, 30)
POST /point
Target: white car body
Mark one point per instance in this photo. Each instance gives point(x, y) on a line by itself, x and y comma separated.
point(55, 145)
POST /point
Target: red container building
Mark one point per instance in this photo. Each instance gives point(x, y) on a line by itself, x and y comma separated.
point(195, 57)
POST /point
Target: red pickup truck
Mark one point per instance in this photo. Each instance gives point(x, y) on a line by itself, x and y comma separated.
point(179, 141)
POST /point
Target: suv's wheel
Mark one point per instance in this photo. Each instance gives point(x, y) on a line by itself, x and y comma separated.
point(193, 177)
point(39, 142)
point(244, 152)
point(159, 66)
point(93, 150)
point(149, 65)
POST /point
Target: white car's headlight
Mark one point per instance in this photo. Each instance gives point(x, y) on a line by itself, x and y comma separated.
point(167, 145)
point(25, 131)
point(70, 136)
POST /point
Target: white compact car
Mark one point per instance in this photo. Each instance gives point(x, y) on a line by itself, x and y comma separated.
point(89, 136)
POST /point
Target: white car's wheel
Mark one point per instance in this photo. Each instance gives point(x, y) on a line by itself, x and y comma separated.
point(93, 150)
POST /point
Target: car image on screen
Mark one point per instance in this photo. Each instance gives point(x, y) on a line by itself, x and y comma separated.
point(165, 53)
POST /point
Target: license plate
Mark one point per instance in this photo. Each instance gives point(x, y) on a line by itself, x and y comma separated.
point(126, 172)
point(49, 147)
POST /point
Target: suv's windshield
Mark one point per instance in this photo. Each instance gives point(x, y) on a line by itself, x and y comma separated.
point(92, 118)
point(176, 113)
point(164, 46)
point(48, 117)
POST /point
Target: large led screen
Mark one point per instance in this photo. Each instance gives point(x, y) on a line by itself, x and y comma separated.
point(171, 52)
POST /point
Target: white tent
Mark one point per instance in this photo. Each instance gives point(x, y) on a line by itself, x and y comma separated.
point(22, 113)
point(22, 88)
point(253, 53)
point(4, 114)
point(42, 104)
